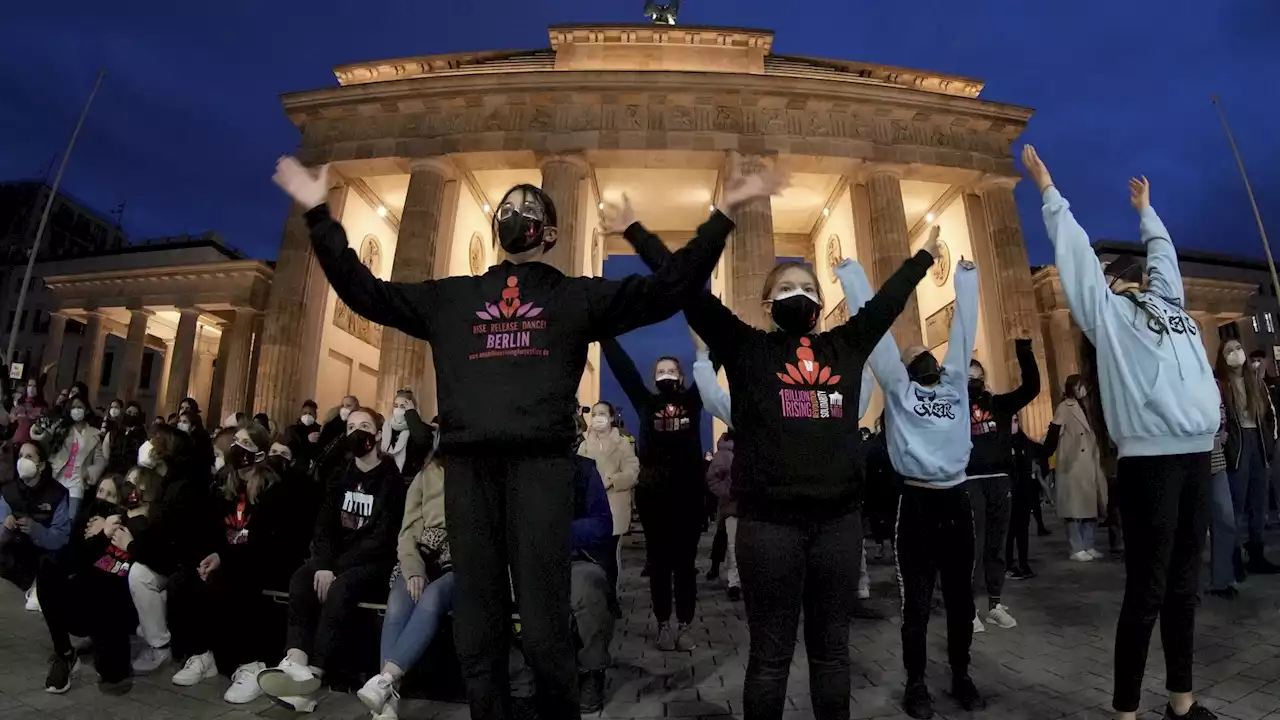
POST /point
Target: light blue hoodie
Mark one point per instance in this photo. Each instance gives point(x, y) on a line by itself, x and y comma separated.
point(927, 426)
point(716, 399)
point(1157, 388)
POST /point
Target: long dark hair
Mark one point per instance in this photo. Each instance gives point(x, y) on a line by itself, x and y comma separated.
point(1092, 401)
point(1254, 391)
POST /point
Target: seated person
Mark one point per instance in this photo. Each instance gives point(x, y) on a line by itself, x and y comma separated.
point(421, 590)
point(290, 542)
point(86, 591)
point(588, 596)
point(35, 515)
point(353, 552)
point(247, 509)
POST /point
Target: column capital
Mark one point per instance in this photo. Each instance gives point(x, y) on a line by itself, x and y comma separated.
point(437, 165)
point(190, 311)
point(881, 168)
point(578, 160)
point(141, 312)
point(989, 182)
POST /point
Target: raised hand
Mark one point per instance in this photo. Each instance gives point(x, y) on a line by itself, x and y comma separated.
point(1140, 193)
point(698, 346)
point(1036, 168)
point(740, 189)
point(932, 245)
point(309, 188)
point(615, 218)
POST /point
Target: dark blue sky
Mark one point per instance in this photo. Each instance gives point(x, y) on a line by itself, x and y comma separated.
point(188, 124)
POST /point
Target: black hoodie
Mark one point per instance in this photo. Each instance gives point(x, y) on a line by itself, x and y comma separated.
point(359, 518)
point(991, 418)
point(509, 346)
point(670, 432)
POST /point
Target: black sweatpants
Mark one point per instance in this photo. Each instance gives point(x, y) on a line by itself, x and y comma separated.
point(1164, 508)
point(935, 536)
point(991, 501)
point(200, 622)
point(1026, 495)
point(90, 603)
point(512, 512)
point(671, 512)
point(315, 627)
point(786, 568)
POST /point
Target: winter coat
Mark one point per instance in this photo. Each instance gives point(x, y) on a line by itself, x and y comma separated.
point(1082, 486)
point(615, 459)
point(720, 476)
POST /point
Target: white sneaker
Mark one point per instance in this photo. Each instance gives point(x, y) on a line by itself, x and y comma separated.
point(377, 691)
point(390, 710)
point(244, 684)
point(978, 627)
point(289, 680)
point(1082, 556)
point(33, 602)
point(1095, 554)
point(198, 667)
point(297, 703)
point(1000, 616)
point(150, 660)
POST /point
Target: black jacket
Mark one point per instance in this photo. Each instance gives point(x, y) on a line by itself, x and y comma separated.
point(1266, 431)
point(991, 418)
point(670, 432)
point(359, 518)
point(179, 531)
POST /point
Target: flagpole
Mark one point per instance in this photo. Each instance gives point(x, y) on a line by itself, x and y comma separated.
point(44, 220)
point(1257, 215)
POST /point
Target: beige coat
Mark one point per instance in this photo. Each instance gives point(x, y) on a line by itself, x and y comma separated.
point(616, 460)
point(1082, 486)
point(423, 508)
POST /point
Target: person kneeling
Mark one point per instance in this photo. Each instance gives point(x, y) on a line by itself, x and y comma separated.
point(353, 552)
point(421, 591)
point(36, 513)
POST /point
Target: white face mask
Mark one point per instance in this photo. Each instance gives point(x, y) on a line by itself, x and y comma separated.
point(77, 414)
point(308, 419)
point(797, 291)
point(218, 462)
point(344, 413)
point(27, 468)
point(666, 375)
point(184, 426)
point(114, 412)
point(600, 423)
point(146, 456)
point(1235, 358)
point(397, 414)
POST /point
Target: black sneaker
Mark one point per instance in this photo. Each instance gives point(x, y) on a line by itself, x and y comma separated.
point(963, 690)
point(524, 708)
point(916, 701)
point(1258, 563)
point(1227, 593)
point(115, 688)
point(1044, 532)
point(591, 691)
point(61, 667)
point(1197, 712)
point(1019, 574)
point(735, 593)
point(712, 574)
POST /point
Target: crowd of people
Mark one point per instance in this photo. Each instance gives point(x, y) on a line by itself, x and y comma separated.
point(503, 515)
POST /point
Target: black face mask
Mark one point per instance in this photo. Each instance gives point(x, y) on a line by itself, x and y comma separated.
point(278, 463)
point(518, 233)
point(240, 457)
point(924, 369)
point(668, 387)
point(360, 442)
point(132, 420)
point(797, 314)
point(977, 386)
point(130, 496)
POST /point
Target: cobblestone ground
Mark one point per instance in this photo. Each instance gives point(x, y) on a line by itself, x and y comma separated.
point(1055, 664)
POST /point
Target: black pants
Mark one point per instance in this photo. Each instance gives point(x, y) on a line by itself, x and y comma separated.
point(20, 559)
point(90, 603)
point(200, 621)
point(719, 543)
point(787, 568)
point(935, 536)
point(610, 565)
point(1026, 496)
point(514, 512)
point(315, 627)
point(1164, 505)
point(991, 501)
point(672, 517)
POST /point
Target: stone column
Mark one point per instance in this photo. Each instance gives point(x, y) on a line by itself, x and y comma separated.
point(1017, 300)
point(1062, 351)
point(233, 363)
point(992, 345)
point(135, 344)
point(162, 387)
point(562, 177)
point(890, 244)
point(201, 387)
point(754, 254)
point(53, 353)
point(95, 345)
point(179, 366)
point(425, 218)
point(288, 308)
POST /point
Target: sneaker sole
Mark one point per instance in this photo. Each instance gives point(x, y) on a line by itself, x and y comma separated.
point(373, 703)
point(256, 695)
point(58, 691)
point(306, 709)
point(208, 675)
point(278, 684)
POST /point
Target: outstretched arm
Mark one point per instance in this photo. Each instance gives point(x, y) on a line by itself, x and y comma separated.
point(404, 306)
point(1013, 401)
point(884, 360)
point(714, 398)
point(964, 324)
point(625, 370)
point(866, 328)
point(1082, 280)
point(1164, 278)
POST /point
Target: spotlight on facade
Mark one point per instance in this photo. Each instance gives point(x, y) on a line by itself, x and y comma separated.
point(487, 208)
point(382, 211)
point(713, 208)
point(825, 212)
point(600, 206)
point(928, 218)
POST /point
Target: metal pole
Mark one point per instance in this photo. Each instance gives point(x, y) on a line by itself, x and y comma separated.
point(1266, 245)
point(44, 220)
